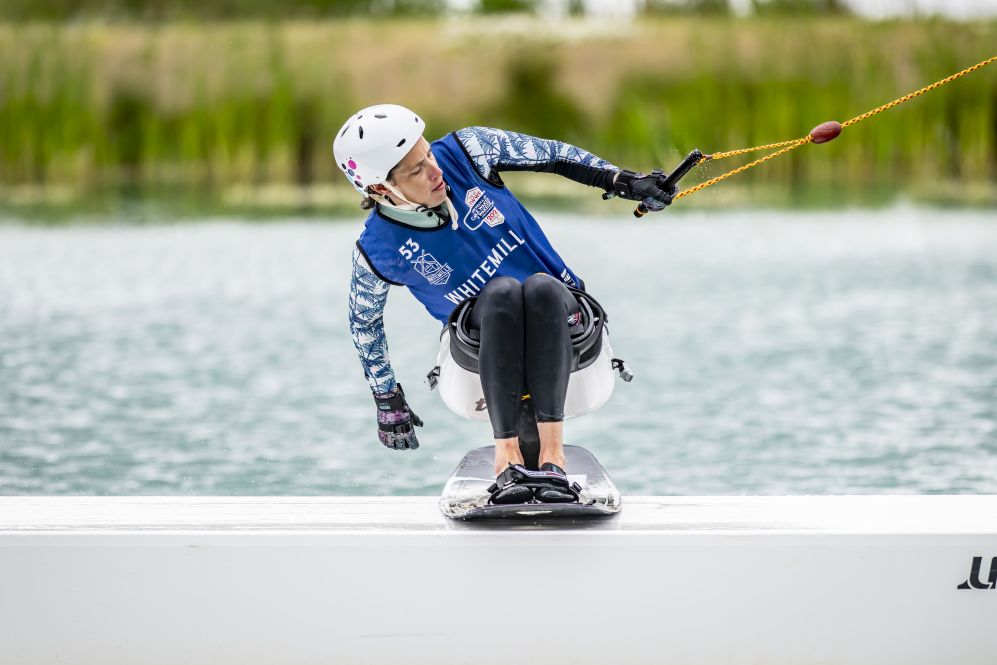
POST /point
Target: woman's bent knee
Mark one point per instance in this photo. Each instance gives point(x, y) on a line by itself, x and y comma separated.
point(503, 290)
point(502, 294)
point(500, 305)
point(543, 287)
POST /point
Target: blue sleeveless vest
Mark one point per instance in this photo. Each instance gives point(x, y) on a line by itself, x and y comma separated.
point(442, 267)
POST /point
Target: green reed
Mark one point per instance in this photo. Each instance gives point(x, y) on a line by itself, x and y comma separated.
point(251, 103)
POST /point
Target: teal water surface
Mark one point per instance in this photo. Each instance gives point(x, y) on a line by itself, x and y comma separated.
point(776, 353)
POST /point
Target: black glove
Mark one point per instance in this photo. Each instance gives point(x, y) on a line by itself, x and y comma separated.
point(395, 419)
point(644, 188)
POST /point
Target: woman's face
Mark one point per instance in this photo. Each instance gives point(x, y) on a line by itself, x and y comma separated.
point(418, 177)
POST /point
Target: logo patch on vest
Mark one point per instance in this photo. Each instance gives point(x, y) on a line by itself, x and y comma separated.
point(435, 273)
point(426, 264)
point(480, 209)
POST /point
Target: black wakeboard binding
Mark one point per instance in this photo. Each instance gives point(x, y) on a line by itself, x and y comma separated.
point(549, 484)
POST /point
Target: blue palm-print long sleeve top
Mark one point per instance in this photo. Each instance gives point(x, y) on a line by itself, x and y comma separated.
point(492, 151)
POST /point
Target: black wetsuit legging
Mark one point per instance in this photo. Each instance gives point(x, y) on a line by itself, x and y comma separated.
point(525, 347)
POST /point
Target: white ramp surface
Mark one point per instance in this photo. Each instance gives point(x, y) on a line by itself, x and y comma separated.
point(729, 580)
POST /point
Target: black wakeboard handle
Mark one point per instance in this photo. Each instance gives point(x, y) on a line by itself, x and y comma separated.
point(667, 182)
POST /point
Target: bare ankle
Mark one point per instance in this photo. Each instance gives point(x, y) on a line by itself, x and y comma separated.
point(558, 460)
point(507, 452)
point(551, 443)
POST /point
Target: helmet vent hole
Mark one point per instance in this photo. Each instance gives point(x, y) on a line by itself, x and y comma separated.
point(361, 132)
point(345, 129)
point(400, 143)
point(380, 116)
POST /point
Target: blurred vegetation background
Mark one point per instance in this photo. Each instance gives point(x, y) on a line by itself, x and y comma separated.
point(232, 104)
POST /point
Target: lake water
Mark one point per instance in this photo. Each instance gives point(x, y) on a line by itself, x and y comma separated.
point(775, 353)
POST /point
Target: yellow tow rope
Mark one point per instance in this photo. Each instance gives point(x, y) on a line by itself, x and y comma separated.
point(820, 134)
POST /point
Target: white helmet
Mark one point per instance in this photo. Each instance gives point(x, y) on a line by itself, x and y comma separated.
point(372, 142)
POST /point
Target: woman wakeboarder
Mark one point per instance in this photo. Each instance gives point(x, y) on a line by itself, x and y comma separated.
point(518, 320)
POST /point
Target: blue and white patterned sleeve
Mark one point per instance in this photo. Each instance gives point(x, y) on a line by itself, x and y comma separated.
point(368, 294)
point(495, 150)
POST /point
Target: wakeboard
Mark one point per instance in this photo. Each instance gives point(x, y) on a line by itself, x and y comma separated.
point(466, 495)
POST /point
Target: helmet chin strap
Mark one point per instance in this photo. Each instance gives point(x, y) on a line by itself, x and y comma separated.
point(408, 205)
